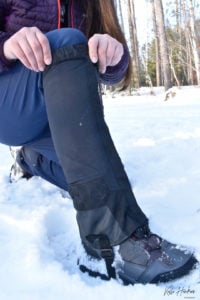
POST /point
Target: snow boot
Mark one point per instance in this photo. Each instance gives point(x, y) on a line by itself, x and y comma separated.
point(143, 258)
point(147, 258)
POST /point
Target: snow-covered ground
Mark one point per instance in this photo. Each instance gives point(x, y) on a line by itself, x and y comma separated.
point(159, 142)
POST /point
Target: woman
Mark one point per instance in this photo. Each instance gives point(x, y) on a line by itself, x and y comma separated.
point(49, 100)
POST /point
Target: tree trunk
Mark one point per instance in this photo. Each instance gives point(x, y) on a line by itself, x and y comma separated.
point(164, 50)
point(194, 42)
point(157, 48)
point(189, 62)
point(133, 41)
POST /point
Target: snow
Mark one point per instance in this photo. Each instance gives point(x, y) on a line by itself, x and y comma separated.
point(159, 143)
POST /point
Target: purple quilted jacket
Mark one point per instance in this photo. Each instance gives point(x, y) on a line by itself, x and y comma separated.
point(45, 14)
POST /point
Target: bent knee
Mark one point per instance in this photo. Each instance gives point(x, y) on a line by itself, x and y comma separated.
point(65, 36)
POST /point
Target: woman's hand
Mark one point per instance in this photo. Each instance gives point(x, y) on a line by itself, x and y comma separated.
point(105, 50)
point(30, 46)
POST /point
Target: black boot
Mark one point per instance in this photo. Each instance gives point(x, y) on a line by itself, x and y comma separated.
point(107, 212)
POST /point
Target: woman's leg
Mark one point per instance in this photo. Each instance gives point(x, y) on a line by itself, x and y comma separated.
point(107, 212)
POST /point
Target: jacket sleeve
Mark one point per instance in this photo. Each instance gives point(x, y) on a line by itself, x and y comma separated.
point(4, 63)
point(115, 74)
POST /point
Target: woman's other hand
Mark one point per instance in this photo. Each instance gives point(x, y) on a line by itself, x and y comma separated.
point(30, 46)
point(105, 50)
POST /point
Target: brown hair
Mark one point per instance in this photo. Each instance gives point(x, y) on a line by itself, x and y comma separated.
point(102, 18)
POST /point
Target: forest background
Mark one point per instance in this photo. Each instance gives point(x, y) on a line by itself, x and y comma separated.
point(164, 41)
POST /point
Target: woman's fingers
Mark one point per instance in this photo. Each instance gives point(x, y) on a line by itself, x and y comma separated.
point(105, 50)
point(31, 47)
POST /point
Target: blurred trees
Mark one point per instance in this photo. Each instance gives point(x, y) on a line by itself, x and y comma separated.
point(171, 53)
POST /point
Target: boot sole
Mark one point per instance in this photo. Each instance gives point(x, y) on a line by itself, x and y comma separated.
point(161, 278)
point(172, 275)
point(164, 277)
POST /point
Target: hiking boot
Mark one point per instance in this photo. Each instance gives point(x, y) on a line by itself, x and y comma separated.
point(151, 259)
point(145, 258)
point(16, 172)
